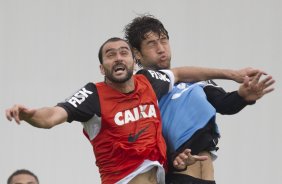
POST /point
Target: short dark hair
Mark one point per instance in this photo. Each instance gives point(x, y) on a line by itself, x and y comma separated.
point(136, 30)
point(113, 39)
point(22, 171)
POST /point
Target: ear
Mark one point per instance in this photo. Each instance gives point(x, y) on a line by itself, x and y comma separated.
point(137, 54)
point(102, 70)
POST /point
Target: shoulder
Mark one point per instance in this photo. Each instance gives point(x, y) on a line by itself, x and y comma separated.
point(82, 104)
point(151, 75)
point(88, 91)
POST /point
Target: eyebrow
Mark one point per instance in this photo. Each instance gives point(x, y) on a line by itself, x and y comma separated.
point(112, 49)
point(152, 41)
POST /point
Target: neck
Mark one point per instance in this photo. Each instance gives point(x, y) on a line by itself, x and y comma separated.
point(154, 67)
point(125, 87)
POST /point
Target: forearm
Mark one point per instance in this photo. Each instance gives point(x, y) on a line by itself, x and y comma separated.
point(230, 103)
point(225, 103)
point(46, 117)
point(194, 74)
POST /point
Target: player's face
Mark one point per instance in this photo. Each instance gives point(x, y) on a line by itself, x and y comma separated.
point(118, 61)
point(23, 179)
point(155, 52)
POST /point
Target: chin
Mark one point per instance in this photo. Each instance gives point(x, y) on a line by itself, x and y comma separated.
point(164, 66)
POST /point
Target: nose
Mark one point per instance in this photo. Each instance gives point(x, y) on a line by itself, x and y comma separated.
point(160, 47)
point(119, 57)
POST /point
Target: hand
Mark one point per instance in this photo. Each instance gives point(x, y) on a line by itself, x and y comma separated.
point(252, 90)
point(185, 159)
point(18, 113)
point(242, 73)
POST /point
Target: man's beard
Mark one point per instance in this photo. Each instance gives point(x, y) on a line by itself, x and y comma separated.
point(109, 75)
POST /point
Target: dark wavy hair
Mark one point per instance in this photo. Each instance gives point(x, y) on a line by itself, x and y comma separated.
point(22, 171)
point(135, 32)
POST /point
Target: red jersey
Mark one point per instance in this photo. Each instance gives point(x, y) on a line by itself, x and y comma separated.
point(124, 129)
point(130, 132)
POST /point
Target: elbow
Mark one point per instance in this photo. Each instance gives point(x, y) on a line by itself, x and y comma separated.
point(46, 125)
point(43, 126)
point(54, 121)
point(50, 124)
point(228, 111)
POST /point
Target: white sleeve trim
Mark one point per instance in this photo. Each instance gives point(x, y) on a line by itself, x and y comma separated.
point(171, 78)
point(92, 126)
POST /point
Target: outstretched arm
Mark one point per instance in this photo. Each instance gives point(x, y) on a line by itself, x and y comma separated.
point(45, 117)
point(194, 74)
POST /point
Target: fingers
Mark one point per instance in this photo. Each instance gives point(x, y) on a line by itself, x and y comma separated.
point(254, 89)
point(265, 84)
point(179, 163)
point(257, 88)
point(16, 115)
point(191, 159)
point(8, 114)
point(267, 91)
point(268, 81)
point(200, 158)
point(187, 152)
point(185, 159)
point(179, 166)
point(246, 81)
point(252, 72)
point(182, 157)
point(13, 113)
point(256, 78)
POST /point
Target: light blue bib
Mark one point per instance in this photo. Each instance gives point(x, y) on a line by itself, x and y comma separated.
point(184, 110)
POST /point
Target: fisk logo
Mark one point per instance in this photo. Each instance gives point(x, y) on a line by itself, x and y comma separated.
point(79, 97)
point(159, 75)
point(134, 114)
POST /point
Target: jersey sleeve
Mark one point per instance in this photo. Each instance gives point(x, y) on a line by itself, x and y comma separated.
point(224, 102)
point(83, 104)
point(161, 81)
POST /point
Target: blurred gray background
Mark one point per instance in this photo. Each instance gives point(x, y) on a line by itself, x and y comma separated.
point(49, 48)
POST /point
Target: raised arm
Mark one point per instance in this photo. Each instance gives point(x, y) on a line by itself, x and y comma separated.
point(46, 117)
point(235, 101)
point(194, 74)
